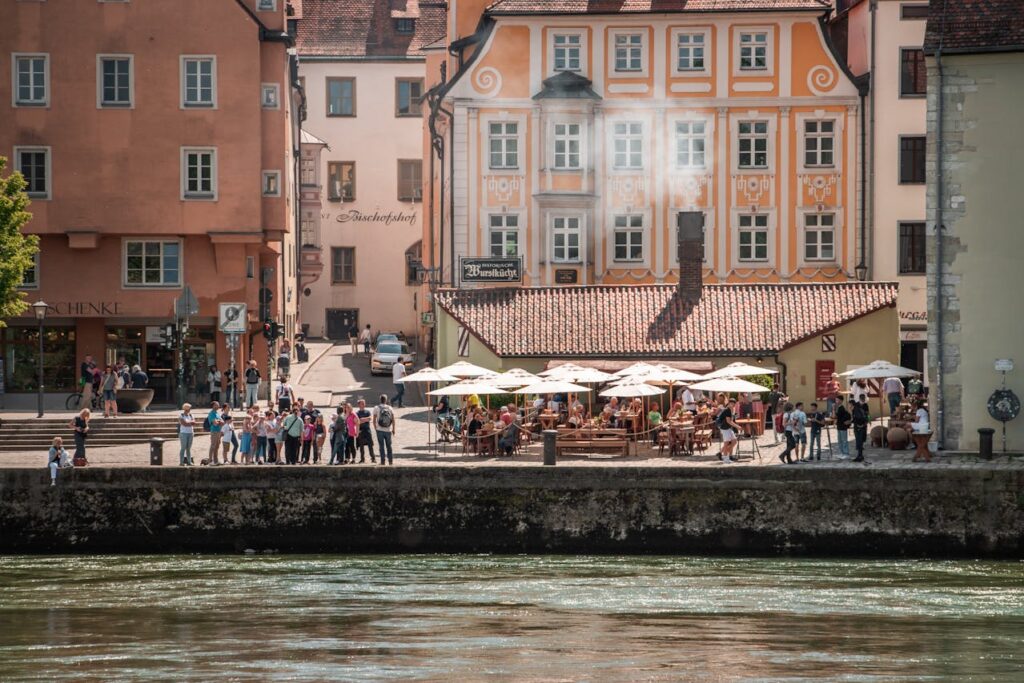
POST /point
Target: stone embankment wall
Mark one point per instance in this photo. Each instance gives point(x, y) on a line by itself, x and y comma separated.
point(826, 511)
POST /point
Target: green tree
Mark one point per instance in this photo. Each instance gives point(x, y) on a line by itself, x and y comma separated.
point(16, 248)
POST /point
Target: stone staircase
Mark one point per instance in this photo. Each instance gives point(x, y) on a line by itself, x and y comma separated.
point(36, 434)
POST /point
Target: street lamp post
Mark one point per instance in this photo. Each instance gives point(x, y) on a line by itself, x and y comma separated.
point(40, 309)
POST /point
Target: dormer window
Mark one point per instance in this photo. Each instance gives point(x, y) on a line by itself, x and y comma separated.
point(405, 26)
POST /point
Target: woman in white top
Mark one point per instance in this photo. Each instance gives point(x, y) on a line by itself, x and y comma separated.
point(227, 437)
point(186, 433)
point(57, 457)
point(920, 423)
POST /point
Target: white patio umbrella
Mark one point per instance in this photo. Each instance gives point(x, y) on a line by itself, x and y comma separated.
point(638, 368)
point(501, 380)
point(465, 370)
point(589, 376)
point(879, 369)
point(740, 370)
point(519, 373)
point(429, 375)
point(552, 386)
point(466, 388)
point(560, 370)
point(632, 390)
point(729, 385)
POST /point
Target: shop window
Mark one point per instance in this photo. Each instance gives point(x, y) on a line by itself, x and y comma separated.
point(20, 348)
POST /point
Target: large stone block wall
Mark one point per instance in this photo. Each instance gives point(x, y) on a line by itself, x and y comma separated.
point(860, 511)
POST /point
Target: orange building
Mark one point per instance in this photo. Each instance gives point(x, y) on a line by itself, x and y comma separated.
point(157, 139)
point(579, 134)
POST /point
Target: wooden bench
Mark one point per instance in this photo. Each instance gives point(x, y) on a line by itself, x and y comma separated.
point(613, 444)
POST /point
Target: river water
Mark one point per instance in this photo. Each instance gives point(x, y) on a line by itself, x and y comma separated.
point(464, 618)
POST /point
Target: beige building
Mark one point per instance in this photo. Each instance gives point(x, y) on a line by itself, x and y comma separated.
point(975, 143)
point(363, 69)
point(882, 40)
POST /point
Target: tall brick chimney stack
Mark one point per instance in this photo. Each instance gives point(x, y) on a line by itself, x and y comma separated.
point(690, 241)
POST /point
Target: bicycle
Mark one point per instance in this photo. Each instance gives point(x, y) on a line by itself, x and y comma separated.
point(76, 401)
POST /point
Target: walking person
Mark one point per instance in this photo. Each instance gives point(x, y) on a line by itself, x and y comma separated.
point(817, 420)
point(728, 427)
point(384, 425)
point(291, 427)
point(80, 425)
point(56, 458)
point(365, 338)
point(252, 384)
point(861, 417)
point(213, 378)
point(398, 374)
point(285, 396)
point(109, 385)
point(364, 439)
point(353, 338)
point(892, 388)
point(212, 424)
point(284, 358)
point(843, 422)
point(186, 434)
point(774, 396)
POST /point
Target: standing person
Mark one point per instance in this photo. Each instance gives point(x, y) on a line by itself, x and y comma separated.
point(292, 429)
point(364, 439)
point(261, 436)
point(248, 429)
point(56, 458)
point(234, 441)
point(352, 425)
point(857, 389)
point(787, 429)
point(109, 385)
point(353, 338)
point(728, 427)
point(272, 426)
point(231, 385)
point(338, 434)
point(832, 395)
point(140, 380)
point(308, 436)
point(212, 424)
point(186, 434)
point(213, 378)
point(319, 437)
point(227, 436)
point(384, 424)
point(774, 397)
point(798, 418)
point(284, 358)
point(843, 422)
point(252, 384)
point(817, 420)
point(80, 425)
point(365, 338)
point(689, 401)
point(861, 417)
point(892, 387)
point(398, 373)
point(285, 396)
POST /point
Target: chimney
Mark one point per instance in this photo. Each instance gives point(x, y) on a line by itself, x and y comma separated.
point(690, 241)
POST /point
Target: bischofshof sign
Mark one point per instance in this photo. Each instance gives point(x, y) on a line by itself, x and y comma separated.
point(492, 269)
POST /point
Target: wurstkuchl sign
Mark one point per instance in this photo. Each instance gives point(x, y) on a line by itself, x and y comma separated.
point(492, 269)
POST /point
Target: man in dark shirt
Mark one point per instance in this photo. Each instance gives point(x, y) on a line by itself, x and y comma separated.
point(843, 421)
point(365, 437)
point(252, 384)
point(817, 420)
point(861, 418)
point(231, 385)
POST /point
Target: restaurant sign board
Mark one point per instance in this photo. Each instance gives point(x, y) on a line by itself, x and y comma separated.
point(565, 276)
point(492, 269)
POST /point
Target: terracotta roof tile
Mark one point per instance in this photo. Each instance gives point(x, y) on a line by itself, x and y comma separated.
point(641, 6)
point(366, 28)
point(650, 320)
point(976, 26)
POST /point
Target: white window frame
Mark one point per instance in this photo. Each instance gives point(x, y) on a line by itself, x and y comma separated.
point(162, 284)
point(265, 178)
point(100, 104)
point(552, 38)
point(212, 104)
point(199, 197)
point(754, 228)
point(16, 86)
point(769, 51)
point(48, 168)
point(613, 52)
point(266, 5)
point(505, 224)
point(811, 222)
point(818, 135)
point(629, 137)
point(35, 269)
point(705, 33)
point(690, 137)
point(566, 231)
point(274, 88)
point(504, 137)
point(567, 138)
point(753, 137)
point(629, 228)
point(837, 143)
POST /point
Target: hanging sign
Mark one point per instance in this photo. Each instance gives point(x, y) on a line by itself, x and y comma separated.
point(492, 269)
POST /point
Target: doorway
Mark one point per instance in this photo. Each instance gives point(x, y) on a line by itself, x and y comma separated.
point(340, 321)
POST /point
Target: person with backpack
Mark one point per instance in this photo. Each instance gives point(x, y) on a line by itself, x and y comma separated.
point(292, 429)
point(384, 424)
point(843, 422)
point(861, 417)
point(285, 396)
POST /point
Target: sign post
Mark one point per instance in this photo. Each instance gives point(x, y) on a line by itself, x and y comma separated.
point(232, 321)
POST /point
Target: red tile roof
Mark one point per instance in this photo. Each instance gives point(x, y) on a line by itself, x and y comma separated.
point(640, 6)
point(650, 321)
point(975, 26)
point(366, 28)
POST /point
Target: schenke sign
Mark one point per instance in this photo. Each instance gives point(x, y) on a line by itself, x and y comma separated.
point(492, 269)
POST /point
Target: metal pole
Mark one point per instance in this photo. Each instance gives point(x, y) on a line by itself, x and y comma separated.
point(40, 368)
point(233, 387)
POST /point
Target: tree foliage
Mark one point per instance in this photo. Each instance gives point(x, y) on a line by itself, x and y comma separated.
point(16, 249)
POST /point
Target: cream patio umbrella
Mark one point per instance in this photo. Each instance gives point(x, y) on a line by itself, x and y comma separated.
point(465, 370)
point(587, 376)
point(560, 370)
point(551, 386)
point(728, 385)
point(634, 387)
point(428, 376)
point(466, 388)
point(740, 370)
point(879, 369)
point(638, 368)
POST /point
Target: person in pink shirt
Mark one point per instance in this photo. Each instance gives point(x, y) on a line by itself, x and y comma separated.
point(308, 434)
point(352, 426)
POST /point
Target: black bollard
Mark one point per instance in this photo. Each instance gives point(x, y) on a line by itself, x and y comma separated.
point(550, 454)
point(985, 442)
point(156, 451)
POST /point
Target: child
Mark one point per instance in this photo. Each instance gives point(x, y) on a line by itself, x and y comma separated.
point(227, 437)
point(58, 457)
point(654, 420)
point(817, 420)
point(248, 427)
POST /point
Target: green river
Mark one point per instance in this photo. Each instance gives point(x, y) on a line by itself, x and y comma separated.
point(515, 618)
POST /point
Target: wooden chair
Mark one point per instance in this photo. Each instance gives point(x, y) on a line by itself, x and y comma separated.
point(701, 439)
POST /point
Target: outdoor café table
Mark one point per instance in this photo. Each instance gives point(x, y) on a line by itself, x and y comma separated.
point(548, 420)
point(632, 418)
point(680, 438)
point(747, 424)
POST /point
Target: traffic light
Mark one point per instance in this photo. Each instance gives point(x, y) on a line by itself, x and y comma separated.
point(268, 329)
point(275, 330)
